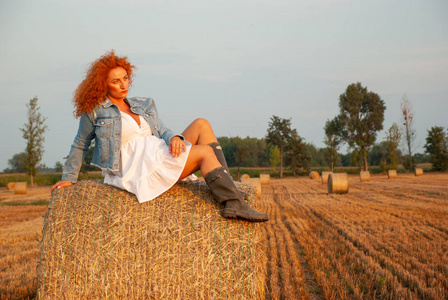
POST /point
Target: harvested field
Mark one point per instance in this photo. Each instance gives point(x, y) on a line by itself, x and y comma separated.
point(385, 239)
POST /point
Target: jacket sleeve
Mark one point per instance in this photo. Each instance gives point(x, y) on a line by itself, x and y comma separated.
point(78, 151)
point(165, 133)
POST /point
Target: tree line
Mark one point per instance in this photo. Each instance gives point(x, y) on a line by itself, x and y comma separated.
point(360, 118)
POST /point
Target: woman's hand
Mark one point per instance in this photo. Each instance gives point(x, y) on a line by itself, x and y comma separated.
point(61, 184)
point(177, 146)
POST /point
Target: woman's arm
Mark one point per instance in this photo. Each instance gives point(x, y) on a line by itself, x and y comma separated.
point(80, 146)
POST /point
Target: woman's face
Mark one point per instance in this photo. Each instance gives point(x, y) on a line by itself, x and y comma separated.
point(117, 84)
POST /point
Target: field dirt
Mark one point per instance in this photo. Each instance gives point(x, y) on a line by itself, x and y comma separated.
point(33, 194)
point(385, 239)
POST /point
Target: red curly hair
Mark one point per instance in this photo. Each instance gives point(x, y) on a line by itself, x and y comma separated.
point(93, 89)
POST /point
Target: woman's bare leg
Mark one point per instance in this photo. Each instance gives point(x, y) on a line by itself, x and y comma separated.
point(201, 157)
point(199, 132)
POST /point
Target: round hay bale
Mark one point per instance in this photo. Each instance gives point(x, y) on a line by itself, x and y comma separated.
point(418, 171)
point(338, 183)
point(256, 182)
point(265, 178)
point(391, 174)
point(20, 188)
point(99, 242)
point(325, 175)
point(314, 175)
point(243, 177)
point(364, 176)
point(10, 186)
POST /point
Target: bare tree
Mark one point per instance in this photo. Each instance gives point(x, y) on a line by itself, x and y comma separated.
point(409, 131)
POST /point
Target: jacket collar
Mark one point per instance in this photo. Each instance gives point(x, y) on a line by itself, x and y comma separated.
point(132, 103)
point(106, 103)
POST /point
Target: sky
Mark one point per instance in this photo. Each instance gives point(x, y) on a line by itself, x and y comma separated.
point(235, 62)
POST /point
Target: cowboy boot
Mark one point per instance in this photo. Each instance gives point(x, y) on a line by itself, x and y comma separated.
point(222, 160)
point(225, 192)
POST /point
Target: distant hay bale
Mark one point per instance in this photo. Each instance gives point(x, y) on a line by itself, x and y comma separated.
point(243, 177)
point(391, 174)
point(314, 175)
point(10, 186)
point(325, 175)
point(338, 183)
point(20, 187)
point(364, 175)
point(265, 178)
point(99, 242)
point(256, 182)
point(418, 171)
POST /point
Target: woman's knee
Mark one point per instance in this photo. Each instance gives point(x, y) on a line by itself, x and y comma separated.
point(201, 122)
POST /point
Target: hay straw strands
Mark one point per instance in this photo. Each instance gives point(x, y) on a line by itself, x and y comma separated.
point(338, 183)
point(364, 176)
point(265, 178)
point(20, 188)
point(99, 242)
point(325, 175)
point(418, 171)
point(10, 186)
point(314, 175)
point(256, 182)
point(391, 174)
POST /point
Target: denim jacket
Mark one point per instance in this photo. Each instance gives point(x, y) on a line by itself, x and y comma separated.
point(104, 125)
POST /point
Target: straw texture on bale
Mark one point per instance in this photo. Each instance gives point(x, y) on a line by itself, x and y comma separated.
point(314, 175)
point(99, 242)
point(364, 175)
point(256, 182)
point(338, 183)
point(265, 178)
point(20, 188)
point(325, 175)
point(244, 176)
point(391, 174)
point(10, 186)
point(418, 171)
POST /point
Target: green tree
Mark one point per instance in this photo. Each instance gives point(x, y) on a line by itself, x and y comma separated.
point(17, 164)
point(393, 137)
point(317, 155)
point(421, 158)
point(274, 157)
point(58, 166)
point(361, 116)
point(437, 147)
point(377, 156)
point(332, 139)
point(279, 134)
point(409, 131)
point(297, 155)
point(33, 132)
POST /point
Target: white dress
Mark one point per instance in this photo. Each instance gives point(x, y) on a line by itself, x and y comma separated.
point(147, 169)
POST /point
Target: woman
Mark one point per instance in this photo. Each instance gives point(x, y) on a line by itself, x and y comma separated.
point(134, 148)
